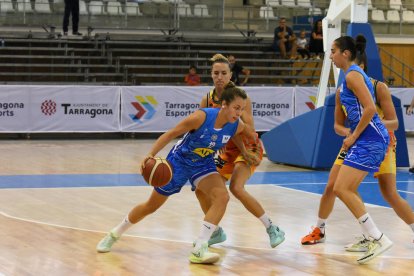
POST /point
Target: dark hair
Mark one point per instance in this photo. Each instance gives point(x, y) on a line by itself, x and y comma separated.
point(346, 43)
point(230, 93)
point(193, 67)
point(315, 25)
point(361, 56)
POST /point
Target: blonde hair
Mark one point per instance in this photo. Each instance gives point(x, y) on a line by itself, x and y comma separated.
point(219, 58)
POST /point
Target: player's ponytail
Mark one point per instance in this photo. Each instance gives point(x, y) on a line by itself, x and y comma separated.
point(361, 57)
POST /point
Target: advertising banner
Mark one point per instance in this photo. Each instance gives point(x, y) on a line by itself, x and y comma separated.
point(157, 109)
point(14, 109)
point(406, 95)
point(59, 109)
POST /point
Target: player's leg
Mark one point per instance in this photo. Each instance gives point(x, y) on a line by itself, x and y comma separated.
point(155, 201)
point(345, 188)
point(241, 174)
point(218, 235)
point(212, 185)
point(389, 191)
point(326, 204)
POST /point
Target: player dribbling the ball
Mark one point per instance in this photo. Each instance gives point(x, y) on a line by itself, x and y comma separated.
point(206, 131)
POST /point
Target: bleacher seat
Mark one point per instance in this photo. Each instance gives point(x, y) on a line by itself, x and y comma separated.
point(266, 12)
point(83, 10)
point(42, 6)
point(305, 4)
point(25, 6)
point(393, 16)
point(6, 6)
point(315, 11)
point(132, 9)
point(395, 4)
point(256, 3)
point(201, 10)
point(273, 3)
point(408, 16)
point(378, 16)
point(184, 9)
point(288, 3)
point(114, 8)
point(96, 8)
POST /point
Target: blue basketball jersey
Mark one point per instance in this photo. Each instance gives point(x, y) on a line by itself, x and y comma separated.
point(199, 146)
point(192, 158)
point(353, 108)
point(369, 149)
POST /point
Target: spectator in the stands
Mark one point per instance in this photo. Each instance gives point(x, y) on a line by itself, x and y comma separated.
point(284, 40)
point(316, 40)
point(236, 70)
point(192, 78)
point(303, 45)
point(71, 7)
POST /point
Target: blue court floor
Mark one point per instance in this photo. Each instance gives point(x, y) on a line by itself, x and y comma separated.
point(307, 181)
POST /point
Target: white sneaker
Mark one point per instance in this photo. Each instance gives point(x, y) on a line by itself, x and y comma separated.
point(203, 256)
point(106, 243)
point(361, 245)
point(375, 248)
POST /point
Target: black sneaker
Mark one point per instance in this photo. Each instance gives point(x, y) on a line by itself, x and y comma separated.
point(65, 33)
point(77, 33)
point(411, 170)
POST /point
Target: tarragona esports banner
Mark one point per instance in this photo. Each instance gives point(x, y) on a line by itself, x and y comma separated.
point(144, 108)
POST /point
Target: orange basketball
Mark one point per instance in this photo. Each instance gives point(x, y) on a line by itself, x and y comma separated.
point(157, 172)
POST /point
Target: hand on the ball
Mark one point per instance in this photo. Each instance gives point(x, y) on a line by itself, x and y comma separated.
point(149, 156)
point(251, 158)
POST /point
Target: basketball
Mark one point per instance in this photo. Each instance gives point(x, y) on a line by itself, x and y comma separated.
point(157, 172)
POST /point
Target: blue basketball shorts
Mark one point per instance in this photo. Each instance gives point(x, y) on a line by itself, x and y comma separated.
point(366, 155)
point(182, 173)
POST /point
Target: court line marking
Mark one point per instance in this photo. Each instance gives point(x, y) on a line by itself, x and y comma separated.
point(190, 242)
point(349, 254)
point(407, 192)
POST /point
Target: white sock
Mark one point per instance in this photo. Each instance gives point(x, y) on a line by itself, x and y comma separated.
point(122, 227)
point(412, 226)
point(368, 226)
point(321, 223)
point(266, 220)
point(206, 231)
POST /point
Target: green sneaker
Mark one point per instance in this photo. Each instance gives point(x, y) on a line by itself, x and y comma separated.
point(218, 236)
point(375, 248)
point(276, 235)
point(361, 245)
point(106, 243)
point(203, 256)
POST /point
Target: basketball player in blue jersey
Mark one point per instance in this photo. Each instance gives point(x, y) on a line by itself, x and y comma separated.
point(386, 174)
point(366, 143)
point(192, 159)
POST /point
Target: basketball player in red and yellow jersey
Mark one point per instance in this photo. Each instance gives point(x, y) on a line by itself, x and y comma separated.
point(232, 163)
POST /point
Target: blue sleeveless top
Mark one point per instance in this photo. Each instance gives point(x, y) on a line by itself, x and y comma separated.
point(353, 109)
point(199, 146)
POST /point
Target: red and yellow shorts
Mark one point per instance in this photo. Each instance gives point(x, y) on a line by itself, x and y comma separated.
point(388, 165)
point(230, 155)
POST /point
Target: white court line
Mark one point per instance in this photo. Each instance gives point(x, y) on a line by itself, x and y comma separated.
point(190, 242)
point(407, 192)
point(178, 241)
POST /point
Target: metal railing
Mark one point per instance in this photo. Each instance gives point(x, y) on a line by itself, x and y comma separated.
point(149, 14)
point(395, 71)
